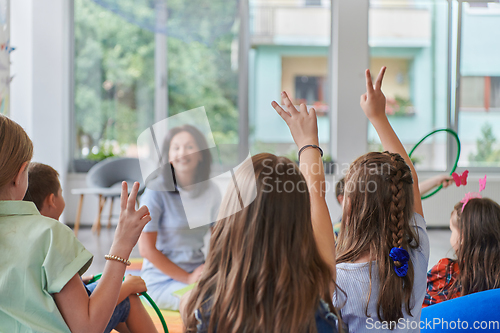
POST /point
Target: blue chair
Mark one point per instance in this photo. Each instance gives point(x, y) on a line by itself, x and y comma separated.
point(104, 179)
point(478, 312)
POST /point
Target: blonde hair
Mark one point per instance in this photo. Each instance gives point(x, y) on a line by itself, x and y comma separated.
point(16, 148)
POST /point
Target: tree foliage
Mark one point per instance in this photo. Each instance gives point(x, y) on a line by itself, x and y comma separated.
point(115, 73)
point(485, 146)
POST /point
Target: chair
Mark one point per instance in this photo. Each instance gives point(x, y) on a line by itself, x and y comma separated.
point(462, 313)
point(104, 179)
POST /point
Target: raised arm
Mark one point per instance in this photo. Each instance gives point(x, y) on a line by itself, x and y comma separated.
point(373, 104)
point(91, 314)
point(304, 128)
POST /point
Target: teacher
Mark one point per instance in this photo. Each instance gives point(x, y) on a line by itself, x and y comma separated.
point(172, 252)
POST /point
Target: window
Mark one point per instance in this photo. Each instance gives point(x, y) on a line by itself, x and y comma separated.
point(479, 99)
point(120, 48)
point(290, 43)
point(114, 82)
point(480, 93)
point(410, 38)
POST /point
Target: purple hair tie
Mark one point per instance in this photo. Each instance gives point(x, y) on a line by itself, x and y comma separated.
point(401, 255)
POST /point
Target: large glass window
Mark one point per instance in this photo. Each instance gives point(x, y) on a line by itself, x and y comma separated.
point(479, 102)
point(120, 49)
point(290, 43)
point(114, 82)
point(410, 38)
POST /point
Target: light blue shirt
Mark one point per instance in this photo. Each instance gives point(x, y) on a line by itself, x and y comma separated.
point(354, 279)
point(182, 245)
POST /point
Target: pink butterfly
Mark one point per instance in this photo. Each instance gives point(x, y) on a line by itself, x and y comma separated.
point(472, 195)
point(460, 179)
point(482, 183)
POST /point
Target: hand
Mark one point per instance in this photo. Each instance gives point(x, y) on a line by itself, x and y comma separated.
point(87, 279)
point(373, 101)
point(445, 180)
point(134, 285)
point(195, 276)
point(303, 125)
point(130, 224)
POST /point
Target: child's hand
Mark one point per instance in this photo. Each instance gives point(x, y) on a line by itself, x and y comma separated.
point(445, 180)
point(87, 279)
point(131, 221)
point(134, 285)
point(373, 101)
point(303, 125)
point(195, 276)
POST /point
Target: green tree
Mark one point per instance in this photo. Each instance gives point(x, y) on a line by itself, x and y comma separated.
point(114, 68)
point(485, 146)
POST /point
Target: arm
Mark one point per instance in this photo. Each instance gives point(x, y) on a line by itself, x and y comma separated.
point(304, 129)
point(373, 104)
point(429, 184)
point(92, 314)
point(148, 250)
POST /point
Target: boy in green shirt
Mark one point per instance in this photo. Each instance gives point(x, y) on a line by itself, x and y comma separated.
point(44, 190)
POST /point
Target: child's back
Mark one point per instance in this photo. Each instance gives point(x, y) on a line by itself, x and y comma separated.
point(271, 265)
point(36, 251)
point(354, 279)
point(382, 248)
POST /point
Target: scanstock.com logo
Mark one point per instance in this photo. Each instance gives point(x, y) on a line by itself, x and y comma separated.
point(179, 154)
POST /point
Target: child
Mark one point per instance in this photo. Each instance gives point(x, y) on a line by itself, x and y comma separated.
point(42, 260)
point(44, 190)
point(339, 194)
point(271, 266)
point(383, 247)
point(475, 238)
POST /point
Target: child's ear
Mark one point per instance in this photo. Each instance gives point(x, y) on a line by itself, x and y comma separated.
point(22, 169)
point(51, 200)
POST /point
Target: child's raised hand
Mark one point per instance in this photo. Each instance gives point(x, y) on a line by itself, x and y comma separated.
point(303, 125)
point(373, 101)
point(134, 284)
point(131, 221)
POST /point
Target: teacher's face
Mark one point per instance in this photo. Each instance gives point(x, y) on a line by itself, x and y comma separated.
point(184, 153)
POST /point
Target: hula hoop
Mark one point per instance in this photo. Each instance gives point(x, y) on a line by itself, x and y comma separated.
point(452, 132)
point(150, 300)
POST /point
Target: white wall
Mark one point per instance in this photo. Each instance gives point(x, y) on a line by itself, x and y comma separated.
point(40, 91)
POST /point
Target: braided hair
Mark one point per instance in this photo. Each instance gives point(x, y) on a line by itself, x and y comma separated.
point(376, 220)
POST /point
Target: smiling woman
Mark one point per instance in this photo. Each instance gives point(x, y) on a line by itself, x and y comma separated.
point(171, 250)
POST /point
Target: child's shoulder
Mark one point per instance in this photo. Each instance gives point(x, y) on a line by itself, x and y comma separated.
point(41, 225)
point(444, 265)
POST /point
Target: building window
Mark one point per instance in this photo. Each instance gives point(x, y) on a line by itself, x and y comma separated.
point(480, 93)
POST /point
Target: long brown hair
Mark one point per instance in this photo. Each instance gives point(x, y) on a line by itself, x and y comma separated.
point(478, 252)
point(16, 148)
point(263, 272)
point(378, 208)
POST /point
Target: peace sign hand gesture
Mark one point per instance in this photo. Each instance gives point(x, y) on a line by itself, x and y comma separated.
point(373, 101)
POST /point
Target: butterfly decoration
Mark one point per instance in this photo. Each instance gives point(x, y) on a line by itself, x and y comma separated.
point(460, 179)
point(473, 195)
point(482, 183)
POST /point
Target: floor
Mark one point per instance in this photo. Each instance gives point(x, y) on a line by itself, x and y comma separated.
point(100, 245)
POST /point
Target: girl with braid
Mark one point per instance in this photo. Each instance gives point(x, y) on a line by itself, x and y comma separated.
point(383, 247)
